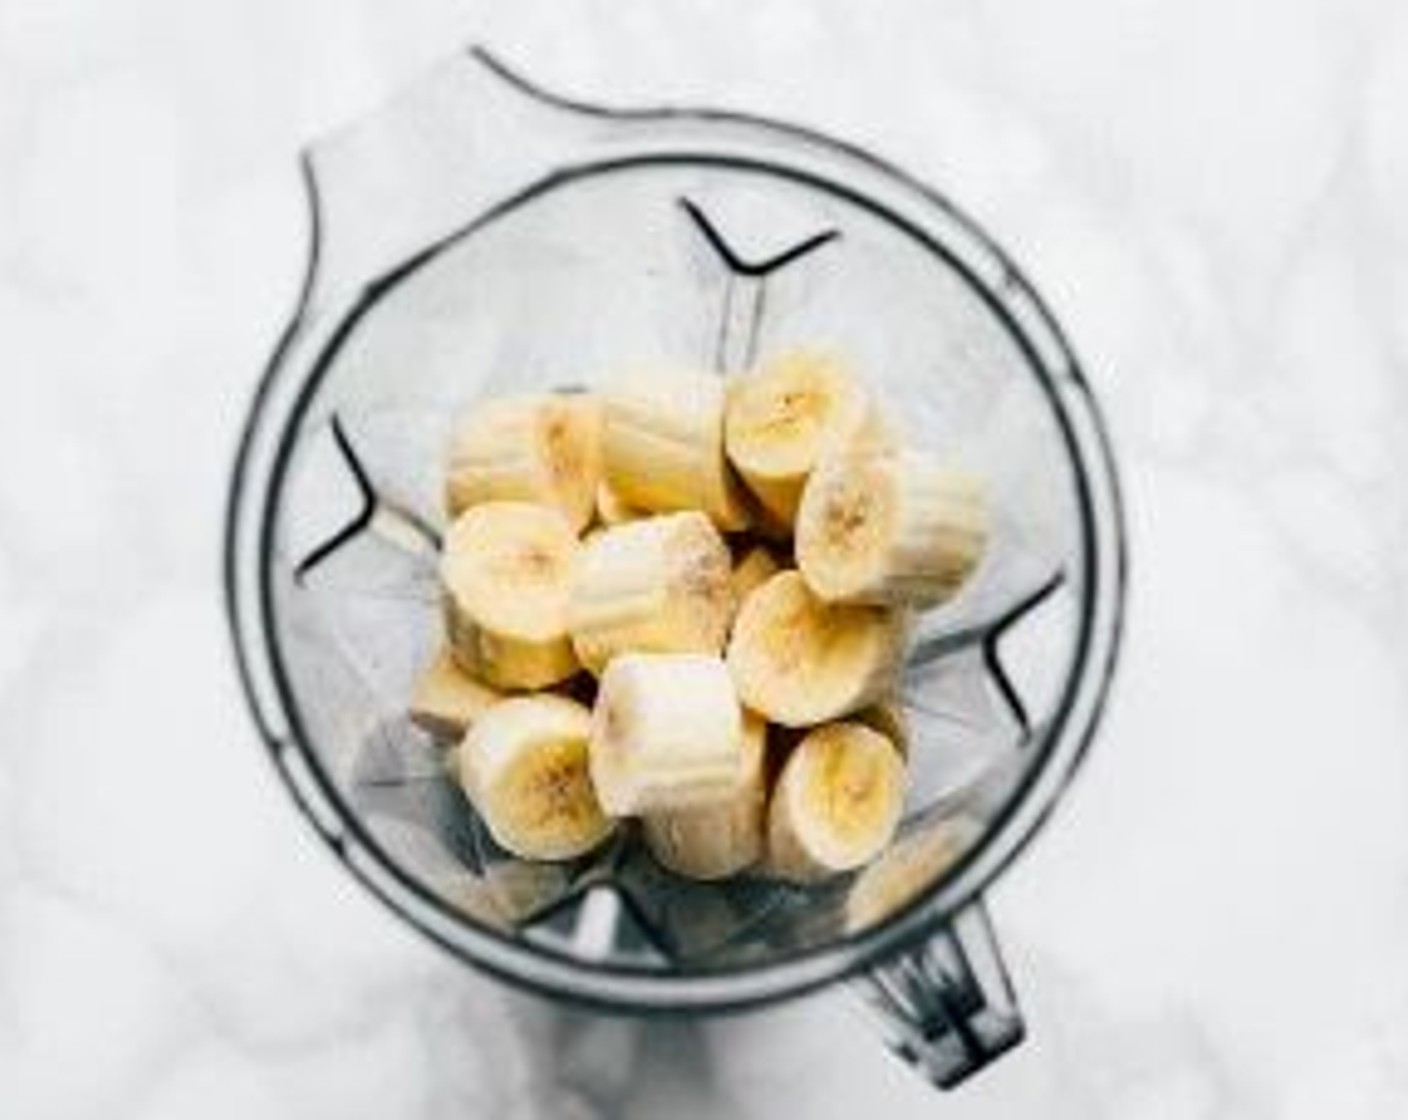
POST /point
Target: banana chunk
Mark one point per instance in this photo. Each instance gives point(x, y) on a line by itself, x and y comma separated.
point(716, 841)
point(837, 803)
point(753, 569)
point(801, 661)
point(659, 585)
point(783, 418)
point(663, 447)
point(524, 768)
point(889, 529)
point(914, 865)
point(612, 509)
point(446, 700)
point(666, 734)
point(541, 448)
point(506, 569)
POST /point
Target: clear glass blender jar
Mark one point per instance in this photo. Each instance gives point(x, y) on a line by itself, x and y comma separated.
point(479, 236)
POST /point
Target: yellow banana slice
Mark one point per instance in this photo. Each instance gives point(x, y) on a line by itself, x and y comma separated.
point(889, 529)
point(837, 803)
point(612, 509)
point(524, 768)
point(914, 864)
point(666, 734)
point(716, 841)
point(658, 585)
point(784, 417)
point(446, 700)
point(506, 569)
point(541, 448)
point(663, 447)
point(800, 661)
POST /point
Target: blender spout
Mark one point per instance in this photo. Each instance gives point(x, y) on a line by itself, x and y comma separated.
point(469, 136)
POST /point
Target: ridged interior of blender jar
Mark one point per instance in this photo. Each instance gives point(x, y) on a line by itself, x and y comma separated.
point(664, 266)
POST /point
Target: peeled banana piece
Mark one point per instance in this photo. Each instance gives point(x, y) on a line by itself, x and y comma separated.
point(540, 448)
point(717, 840)
point(666, 734)
point(612, 509)
point(506, 570)
point(785, 416)
point(893, 529)
point(658, 585)
point(837, 803)
point(524, 768)
point(446, 700)
point(912, 866)
point(663, 447)
point(801, 661)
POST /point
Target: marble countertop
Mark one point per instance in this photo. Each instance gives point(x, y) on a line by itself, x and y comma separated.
point(1214, 197)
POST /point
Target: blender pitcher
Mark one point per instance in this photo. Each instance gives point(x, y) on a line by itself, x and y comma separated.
point(479, 236)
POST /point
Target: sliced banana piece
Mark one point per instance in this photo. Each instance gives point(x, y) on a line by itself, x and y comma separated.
point(612, 509)
point(784, 417)
point(542, 448)
point(663, 447)
point(753, 569)
point(666, 734)
point(659, 585)
point(914, 865)
point(446, 700)
point(890, 529)
point(837, 803)
point(524, 768)
point(716, 841)
point(506, 568)
point(801, 661)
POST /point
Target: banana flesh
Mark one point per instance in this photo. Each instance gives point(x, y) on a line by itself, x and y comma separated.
point(836, 805)
point(666, 734)
point(911, 867)
point(657, 585)
point(612, 509)
point(785, 416)
point(506, 570)
point(663, 449)
point(800, 661)
point(718, 840)
point(890, 530)
point(524, 768)
point(446, 700)
point(540, 448)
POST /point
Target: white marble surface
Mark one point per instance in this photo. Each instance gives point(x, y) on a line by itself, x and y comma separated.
point(1214, 195)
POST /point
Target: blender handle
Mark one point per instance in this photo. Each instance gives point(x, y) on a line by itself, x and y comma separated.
point(946, 1006)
